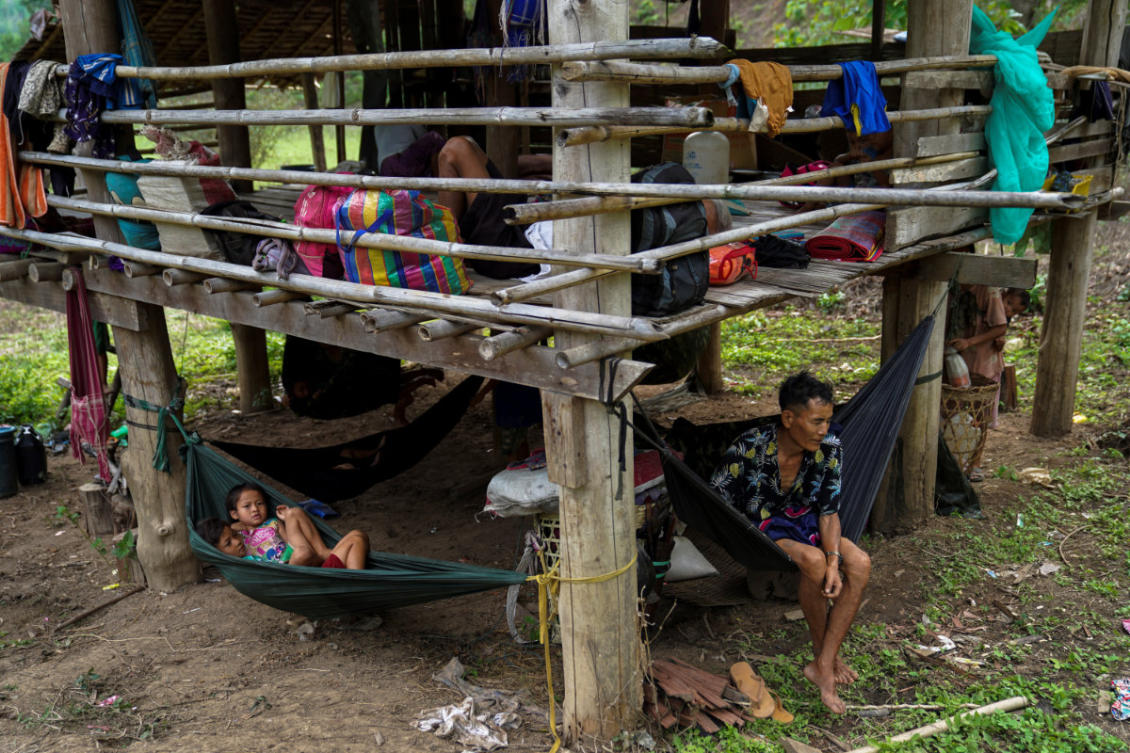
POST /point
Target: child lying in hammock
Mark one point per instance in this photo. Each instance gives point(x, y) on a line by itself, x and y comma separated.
point(289, 537)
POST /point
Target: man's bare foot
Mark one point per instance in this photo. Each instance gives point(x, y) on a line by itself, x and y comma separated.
point(844, 674)
point(826, 681)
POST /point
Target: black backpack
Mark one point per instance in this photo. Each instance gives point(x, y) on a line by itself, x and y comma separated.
point(683, 281)
point(238, 248)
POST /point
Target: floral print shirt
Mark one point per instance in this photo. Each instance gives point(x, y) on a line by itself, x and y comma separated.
point(750, 479)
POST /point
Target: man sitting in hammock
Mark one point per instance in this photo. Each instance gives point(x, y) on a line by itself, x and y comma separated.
point(786, 477)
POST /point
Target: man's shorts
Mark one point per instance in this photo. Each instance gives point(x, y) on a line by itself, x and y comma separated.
point(804, 527)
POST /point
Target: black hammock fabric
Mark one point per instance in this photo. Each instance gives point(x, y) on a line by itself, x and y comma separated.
point(869, 422)
point(388, 580)
point(345, 470)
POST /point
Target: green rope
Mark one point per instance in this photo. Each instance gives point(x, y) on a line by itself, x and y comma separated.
point(176, 404)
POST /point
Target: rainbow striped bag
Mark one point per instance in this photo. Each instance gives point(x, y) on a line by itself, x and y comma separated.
point(405, 213)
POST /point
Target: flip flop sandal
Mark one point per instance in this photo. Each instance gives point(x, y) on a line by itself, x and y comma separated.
point(779, 713)
point(762, 705)
point(976, 476)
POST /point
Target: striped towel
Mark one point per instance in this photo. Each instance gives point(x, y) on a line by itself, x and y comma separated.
point(858, 237)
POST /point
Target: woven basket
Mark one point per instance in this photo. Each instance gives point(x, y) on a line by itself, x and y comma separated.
point(966, 412)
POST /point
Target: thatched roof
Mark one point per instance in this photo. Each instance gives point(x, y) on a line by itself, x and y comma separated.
point(267, 29)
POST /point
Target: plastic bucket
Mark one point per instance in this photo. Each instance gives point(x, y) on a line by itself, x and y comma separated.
point(9, 484)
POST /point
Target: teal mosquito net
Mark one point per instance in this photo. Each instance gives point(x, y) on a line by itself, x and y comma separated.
point(1023, 109)
point(388, 580)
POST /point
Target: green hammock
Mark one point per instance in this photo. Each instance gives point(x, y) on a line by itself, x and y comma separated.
point(388, 580)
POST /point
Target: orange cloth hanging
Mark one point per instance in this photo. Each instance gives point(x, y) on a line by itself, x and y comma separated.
point(772, 85)
point(22, 189)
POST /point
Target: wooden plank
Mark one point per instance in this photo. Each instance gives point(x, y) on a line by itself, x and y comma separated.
point(534, 366)
point(942, 79)
point(1097, 148)
point(907, 226)
point(950, 171)
point(932, 146)
point(1098, 128)
point(979, 269)
point(566, 465)
point(50, 295)
point(1114, 210)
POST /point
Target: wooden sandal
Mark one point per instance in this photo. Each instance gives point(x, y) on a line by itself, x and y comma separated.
point(762, 705)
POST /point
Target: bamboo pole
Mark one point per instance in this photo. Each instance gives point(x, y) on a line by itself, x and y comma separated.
point(216, 285)
point(329, 309)
point(683, 191)
point(383, 320)
point(640, 49)
point(440, 329)
point(45, 271)
point(597, 133)
point(658, 73)
point(174, 277)
point(14, 270)
point(272, 297)
point(522, 214)
point(507, 342)
point(410, 244)
point(1009, 704)
point(439, 303)
point(686, 117)
point(133, 269)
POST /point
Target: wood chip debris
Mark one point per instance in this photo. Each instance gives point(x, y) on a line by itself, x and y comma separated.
point(677, 693)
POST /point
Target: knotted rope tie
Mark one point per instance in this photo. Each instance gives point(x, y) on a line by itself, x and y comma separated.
point(176, 404)
point(549, 583)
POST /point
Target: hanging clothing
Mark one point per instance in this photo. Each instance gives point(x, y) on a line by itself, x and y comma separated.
point(88, 409)
point(768, 83)
point(89, 90)
point(857, 99)
point(22, 191)
point(135, 93)
point(42, 97)
point(1023, 109)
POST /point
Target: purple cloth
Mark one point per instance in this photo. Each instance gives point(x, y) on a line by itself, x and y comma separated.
point(416, 160)
point(84, 94)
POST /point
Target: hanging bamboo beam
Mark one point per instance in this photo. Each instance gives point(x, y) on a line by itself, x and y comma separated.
point(507, 342)
point(14, 270)
point(686, 117)
point(462, 306)
point(329, 309)
point(45, 271)
point(596, 133)
point(524, 214)
point(658, 73)
point(410, 244)
point(640, 49)
point(215, 285)
point(174, 277)
point(133, 269)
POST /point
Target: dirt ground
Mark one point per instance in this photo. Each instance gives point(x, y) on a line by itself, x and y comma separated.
point(206, 669)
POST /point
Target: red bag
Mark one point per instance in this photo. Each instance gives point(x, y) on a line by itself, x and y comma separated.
point(315, 208)
point(731, 262)
point(811, 167)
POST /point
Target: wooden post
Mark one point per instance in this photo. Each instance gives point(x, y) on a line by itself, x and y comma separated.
point(235, 150)
point(600, 637)
point(97, 512)
point(503, 142)
point(317, 140)
point(1057, 371)
point(222, 28)
point(143, 357)
point(146, 364)
point(937, 27)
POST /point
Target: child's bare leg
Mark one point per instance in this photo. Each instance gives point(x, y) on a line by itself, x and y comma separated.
point(299, 531)
point(460, 157)
point(353, 549)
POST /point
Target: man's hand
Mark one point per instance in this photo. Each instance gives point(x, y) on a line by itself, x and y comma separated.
point(281, 511)
point(959, 343)
point(833, 583)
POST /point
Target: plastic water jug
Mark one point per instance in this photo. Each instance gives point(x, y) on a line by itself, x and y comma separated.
point(8, 473)
point(957, 373)
point(31, 457)
point(706, 155)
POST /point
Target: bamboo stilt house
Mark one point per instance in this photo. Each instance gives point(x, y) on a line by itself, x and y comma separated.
point(602, 108)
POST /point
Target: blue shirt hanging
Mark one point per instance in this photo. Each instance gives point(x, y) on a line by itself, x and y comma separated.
point(857, 99)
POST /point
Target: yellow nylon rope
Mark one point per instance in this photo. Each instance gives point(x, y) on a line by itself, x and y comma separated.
point(549, 582)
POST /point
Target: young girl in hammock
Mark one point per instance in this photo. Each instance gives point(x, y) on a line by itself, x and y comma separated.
point(288, 537)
